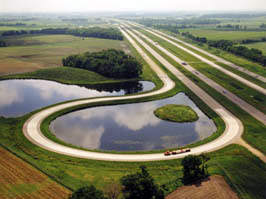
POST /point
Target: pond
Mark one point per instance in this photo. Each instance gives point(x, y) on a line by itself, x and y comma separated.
point(131, 127)
point(18, 97)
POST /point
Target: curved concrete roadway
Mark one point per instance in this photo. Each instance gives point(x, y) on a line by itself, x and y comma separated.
point(233, 131)
point(260, 116)
point(218, 59)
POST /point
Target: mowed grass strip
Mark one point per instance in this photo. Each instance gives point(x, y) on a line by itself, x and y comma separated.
point(19, 179)
point(176, 113)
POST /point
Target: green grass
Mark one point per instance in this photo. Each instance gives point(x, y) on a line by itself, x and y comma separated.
point(228, 35)
point(240, 61)
point(248, 94)
point(36, 52)
point(176, 113)
point(259, 45)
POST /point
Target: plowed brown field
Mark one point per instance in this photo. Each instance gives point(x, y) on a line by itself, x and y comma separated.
point(214, 188)
point(19, 180)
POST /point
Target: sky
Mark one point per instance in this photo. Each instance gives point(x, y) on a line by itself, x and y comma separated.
point(128, 5)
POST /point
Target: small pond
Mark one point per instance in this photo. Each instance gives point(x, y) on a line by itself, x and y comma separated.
point(18, 97)
point(131, 127)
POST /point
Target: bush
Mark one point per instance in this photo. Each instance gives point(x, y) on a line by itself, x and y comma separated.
point(87, 193)
point(141, 186)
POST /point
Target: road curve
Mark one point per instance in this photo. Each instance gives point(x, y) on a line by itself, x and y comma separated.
point(233, 130)
point(218, 59)
point(260, 116)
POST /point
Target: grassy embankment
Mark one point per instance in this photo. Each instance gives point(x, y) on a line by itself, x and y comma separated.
point(248, 94)
point(176, 113)
point(254, 131)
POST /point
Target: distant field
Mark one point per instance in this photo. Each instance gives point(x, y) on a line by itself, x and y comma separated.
point(228, 35)
point(260, 45)
point(19, 180)
point(30, 53)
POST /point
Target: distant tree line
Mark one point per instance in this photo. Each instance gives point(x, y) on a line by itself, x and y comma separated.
point(13, 24)
point(263, 26)
point(252, 54)
point(248, 41)
point(194, 38)
point(110, 63)
point(231, 27)
point(173, 29)
point(105, 33)
point(3, 44)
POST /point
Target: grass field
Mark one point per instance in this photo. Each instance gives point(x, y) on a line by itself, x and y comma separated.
point(20, 180)
point(36, 52)
point(176, 113)
point(259, 45)
point(228, 35)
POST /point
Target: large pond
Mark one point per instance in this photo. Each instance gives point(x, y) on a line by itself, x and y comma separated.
point(131, 127)
point(18, 97)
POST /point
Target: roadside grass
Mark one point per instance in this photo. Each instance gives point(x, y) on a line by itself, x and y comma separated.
point(244, 75)
point(248, 94)
point(211, 34)
point(176, 113)
point(48, 51)
point(239, 61)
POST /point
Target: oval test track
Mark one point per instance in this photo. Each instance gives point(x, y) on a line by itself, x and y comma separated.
point(232, 133)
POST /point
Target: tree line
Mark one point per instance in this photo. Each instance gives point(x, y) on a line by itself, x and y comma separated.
point(252, 54)
point(141, 185)
point(110, 63)
point(3, 44)
point(105, 33)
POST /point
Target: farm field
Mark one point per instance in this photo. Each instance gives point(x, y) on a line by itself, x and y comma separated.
point(36, 52)
point(259, 45)
point(213, 188)
point(20, 180)
point(227, 35)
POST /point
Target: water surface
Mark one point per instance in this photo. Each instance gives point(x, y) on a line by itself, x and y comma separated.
point(18, 97)
point(131, 127)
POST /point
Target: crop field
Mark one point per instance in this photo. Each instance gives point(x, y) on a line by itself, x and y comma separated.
point(259, 45)
point(213, 188)
point(30, 53)
point(20, 180)
point(228, 35)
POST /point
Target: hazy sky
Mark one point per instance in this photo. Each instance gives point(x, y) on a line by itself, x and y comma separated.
point(128, 5)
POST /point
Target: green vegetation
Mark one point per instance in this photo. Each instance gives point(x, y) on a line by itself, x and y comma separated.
point(97, 32)
point(87, 193)
point(109, 63)
point(141, 185)
point(64, 75)
point(176, 113)
point(29, 53)
point(259, 45)
point(194, 168)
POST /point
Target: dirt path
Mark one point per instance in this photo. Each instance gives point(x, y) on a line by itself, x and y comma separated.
point(213, 188)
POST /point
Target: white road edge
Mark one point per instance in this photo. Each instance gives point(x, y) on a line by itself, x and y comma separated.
point(232, 133)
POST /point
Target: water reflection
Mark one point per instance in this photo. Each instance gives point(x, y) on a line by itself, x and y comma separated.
point(18, 97)
point(131, 127)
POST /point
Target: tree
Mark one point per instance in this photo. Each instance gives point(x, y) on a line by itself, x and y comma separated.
point(194, 168)
point(113, 190)
point(87, 193)
point(141, 186)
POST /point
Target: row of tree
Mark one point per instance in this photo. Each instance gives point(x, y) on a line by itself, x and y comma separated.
point(105, 33)
point(110, 63)
point(3, 44)
point(252, 54)
point(141, 185)
point(13, 24)
point(231, 27)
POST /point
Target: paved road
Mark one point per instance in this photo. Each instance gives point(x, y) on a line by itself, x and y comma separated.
point(218, 59)
point(233, 131)
point(231, 96)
